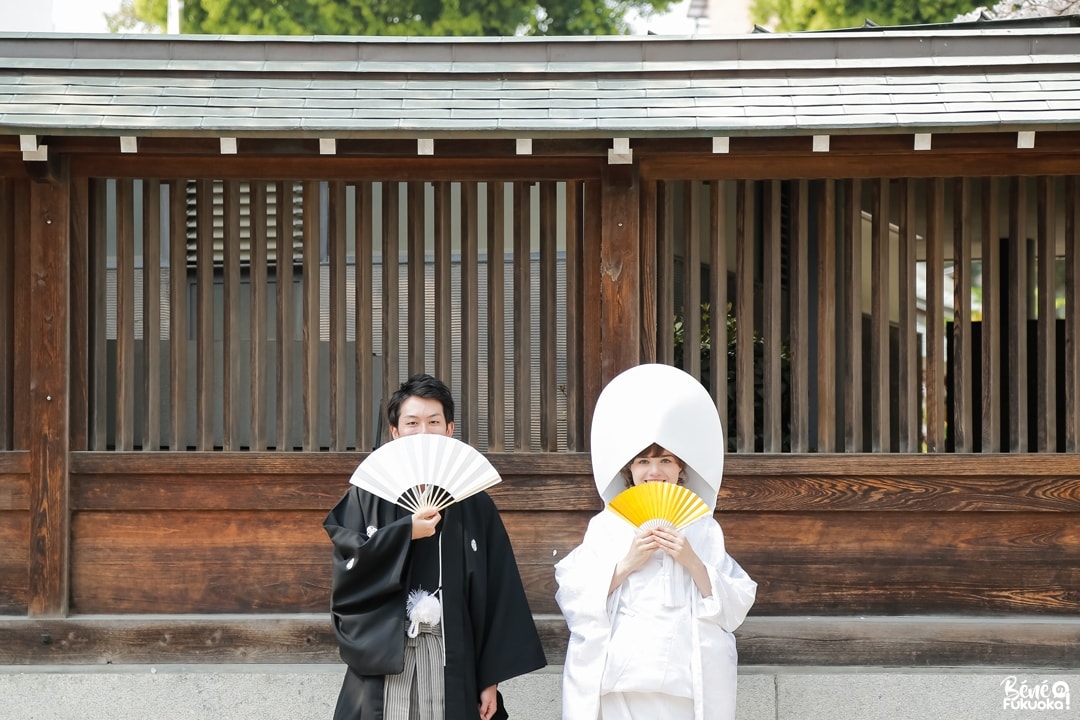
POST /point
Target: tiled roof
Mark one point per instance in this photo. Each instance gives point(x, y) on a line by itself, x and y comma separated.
point(880, 81)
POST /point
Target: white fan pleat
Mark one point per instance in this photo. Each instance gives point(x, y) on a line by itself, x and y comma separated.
point(422, 472)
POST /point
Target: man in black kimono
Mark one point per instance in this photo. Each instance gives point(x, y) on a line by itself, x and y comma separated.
point(382, 555)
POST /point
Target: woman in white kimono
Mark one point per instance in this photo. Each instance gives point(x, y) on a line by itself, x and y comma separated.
point(651, 614)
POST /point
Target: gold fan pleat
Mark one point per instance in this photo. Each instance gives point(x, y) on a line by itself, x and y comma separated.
point(658, 503)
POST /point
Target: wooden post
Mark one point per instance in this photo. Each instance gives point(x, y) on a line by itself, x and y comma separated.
point(620, 272)
point(49, 370)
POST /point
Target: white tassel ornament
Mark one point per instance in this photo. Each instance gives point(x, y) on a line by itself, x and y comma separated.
point(422, 607)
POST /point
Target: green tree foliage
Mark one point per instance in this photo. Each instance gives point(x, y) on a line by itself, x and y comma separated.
point(390, 17)
point(796, 15)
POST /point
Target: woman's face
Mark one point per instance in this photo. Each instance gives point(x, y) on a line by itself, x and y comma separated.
point(662, 467)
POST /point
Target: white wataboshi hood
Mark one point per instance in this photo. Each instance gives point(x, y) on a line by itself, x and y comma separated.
point(657, 404)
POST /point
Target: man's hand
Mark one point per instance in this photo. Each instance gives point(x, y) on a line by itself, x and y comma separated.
point(488, 702)
point(424, 523)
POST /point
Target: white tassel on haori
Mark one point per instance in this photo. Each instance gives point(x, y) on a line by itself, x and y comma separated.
point(422, 607)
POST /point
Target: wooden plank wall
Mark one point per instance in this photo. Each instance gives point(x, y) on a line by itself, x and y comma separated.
point(239, 535)
point(213, 551)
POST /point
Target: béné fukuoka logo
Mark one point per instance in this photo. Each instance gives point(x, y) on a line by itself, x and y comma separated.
point(1044, 695)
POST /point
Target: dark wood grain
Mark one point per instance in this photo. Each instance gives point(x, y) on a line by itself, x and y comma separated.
point(15, 480)
point(745, 230)
point(521, 222)
point(230, 319)
point(992, 400)
point(46, 418)
point(7, 310)
point(550, 298)
point(620, 271)
point(1016, 278)
point(850, 294)
point(311, 323)
point(1072, 320)
point(14, 553)
point(337, 240)
point(469, 350)
point(826, 318)
point(921, 641)
point(1046, 390)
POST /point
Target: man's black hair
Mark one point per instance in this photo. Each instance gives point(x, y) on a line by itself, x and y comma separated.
point(420, 385)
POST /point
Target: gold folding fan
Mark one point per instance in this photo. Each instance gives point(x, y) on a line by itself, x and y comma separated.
point(658, 504)
point(425, 472)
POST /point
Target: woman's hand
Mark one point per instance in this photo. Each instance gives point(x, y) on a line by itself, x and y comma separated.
point(641, 547)
point(424, 523)
point(488, 702)
point(675, 544)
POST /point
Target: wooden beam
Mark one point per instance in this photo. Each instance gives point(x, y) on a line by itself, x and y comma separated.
point(620, 272)
point(50, 367)
point(785, 641)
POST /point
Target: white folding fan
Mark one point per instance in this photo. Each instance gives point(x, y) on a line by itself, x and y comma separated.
point(658, 504)
point(425, 472)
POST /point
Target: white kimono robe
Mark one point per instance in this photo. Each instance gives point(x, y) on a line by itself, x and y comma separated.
point(655, 634)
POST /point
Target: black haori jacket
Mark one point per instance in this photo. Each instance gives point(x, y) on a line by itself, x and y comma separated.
point(488, 627)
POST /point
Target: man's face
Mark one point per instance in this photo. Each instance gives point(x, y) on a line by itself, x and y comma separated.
point(420, 415)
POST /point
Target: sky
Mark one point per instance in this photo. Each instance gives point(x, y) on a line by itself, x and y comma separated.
point(87, 16)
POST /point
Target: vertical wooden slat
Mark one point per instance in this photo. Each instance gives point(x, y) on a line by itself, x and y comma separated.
point(7, 308)
point(620, 274)
point(549, 391)
point(718, 298)
point(1046, 374)
point(1072, 315)
point(744, 316)
point(365, 390)
point(990, 326)
point(826, 318)
point(691, 299)
point(312, 326)
point(649, 236)
point(151, 387)
point(935, 316)
point(470, 312)
point(390, 319)
point(575, 429)
point(1018, 315)
point(772, 318)
point(286, 316)
point(230, 333)
point(338, 389)
point(522, 315)
point(417, 309)
point(260, 298)
point(963, 415)
point(443, 240)
point(178, 315)
point(204, 344)
point(125, 315)
point(7, 311)
point(907, 376)
point(21, 435)
point(799, 304)
point(665, 274)
point(880, 271)
point(496, 254)
point(80, 310)
point(49, 302)
point(592, 368)
point(853, 316)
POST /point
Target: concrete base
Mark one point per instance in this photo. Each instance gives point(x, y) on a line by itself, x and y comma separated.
point(308, 692)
